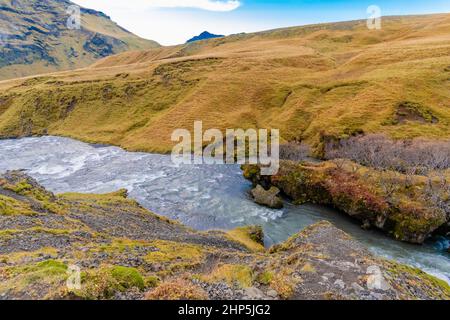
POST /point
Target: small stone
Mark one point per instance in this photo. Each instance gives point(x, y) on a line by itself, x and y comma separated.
point(366, 225)
point(253, 293)
point(272, 293)
point(376, 296)
point(357, 287)
point(340, 284)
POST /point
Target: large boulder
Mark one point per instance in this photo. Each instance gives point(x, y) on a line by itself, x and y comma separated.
point(267, 198)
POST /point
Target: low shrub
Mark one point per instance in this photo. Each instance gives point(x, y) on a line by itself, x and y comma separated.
point(178, 289)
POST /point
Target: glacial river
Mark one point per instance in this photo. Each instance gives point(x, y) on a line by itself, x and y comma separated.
point(201, 196)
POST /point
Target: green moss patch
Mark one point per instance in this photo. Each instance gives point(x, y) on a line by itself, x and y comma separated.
point(105, 282)
point(175, 253)
point(49, 274)
point(127, 277)
point(10, 206)
point(430, 285)
point(252, 237)
point(233, 274)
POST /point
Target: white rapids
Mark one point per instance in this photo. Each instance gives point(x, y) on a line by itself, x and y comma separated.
point(200, 196)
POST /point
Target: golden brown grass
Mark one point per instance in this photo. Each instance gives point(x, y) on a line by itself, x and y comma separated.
point(178, 289)
point(333, 79)
point(245, 236)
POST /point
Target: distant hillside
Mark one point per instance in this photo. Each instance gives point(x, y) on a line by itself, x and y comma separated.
point(35, 38)
point(313, 83)
point(204, 36)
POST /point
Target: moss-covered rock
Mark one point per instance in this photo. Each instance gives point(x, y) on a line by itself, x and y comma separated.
point(250, 236)
point(361, 196)
point(105, 282)
point(127, 277)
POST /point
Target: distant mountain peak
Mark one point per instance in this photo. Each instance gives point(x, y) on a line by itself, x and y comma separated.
point(204, 36)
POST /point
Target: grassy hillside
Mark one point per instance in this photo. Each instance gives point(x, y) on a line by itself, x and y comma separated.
point(37, 40)
point(321, 80)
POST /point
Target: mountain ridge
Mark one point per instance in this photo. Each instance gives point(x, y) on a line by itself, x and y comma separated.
point(37, 39)
point(205, 35)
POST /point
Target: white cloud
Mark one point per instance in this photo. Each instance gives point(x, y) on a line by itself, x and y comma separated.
point(210, 5)
point(171, 24)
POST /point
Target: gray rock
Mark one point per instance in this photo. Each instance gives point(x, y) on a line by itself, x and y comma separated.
point(340, 284)
point(272, 294)
point(253, 293)
point(357, 287)
point(267, 198)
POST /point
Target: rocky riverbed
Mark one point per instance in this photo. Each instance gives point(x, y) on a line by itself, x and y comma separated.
point(202, 197)
point(123, 251)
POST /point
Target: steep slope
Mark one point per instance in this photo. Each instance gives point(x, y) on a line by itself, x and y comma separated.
point(35, 38)
point(328, 80)
point(123, 251)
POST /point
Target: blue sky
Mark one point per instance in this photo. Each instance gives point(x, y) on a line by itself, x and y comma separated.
point(174, 21)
